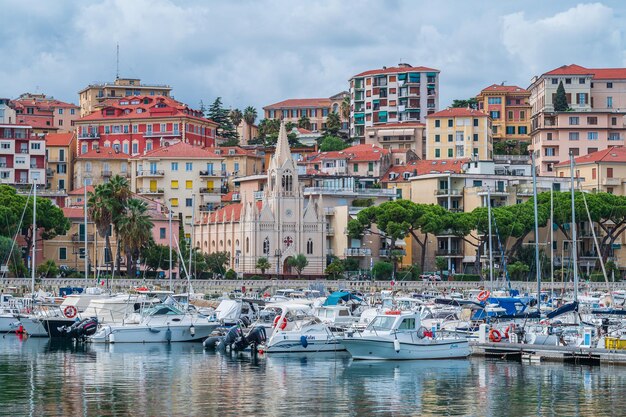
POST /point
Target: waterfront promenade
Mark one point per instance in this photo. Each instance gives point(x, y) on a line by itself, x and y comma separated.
point(212, 287)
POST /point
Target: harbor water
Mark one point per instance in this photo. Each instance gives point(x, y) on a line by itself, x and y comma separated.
point(39, 377)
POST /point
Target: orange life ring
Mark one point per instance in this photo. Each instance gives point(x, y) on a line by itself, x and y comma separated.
point(495, 335)
point(70, 312)
point(393, 312)
point(282, 325)
point(510, 327)
point(483, 295)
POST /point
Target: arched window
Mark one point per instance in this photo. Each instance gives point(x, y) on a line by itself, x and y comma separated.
point(287, 181)
point(309, 247)
point(266, 246)
point(247, 245)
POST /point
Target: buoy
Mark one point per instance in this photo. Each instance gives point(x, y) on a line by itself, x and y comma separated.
point(168, 335)
point(192, 330)
point(396, 345)
point(20, 330)
point(303, 341)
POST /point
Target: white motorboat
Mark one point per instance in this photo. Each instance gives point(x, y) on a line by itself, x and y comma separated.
point(162, 323)
point(296, 330)
point(399, 335)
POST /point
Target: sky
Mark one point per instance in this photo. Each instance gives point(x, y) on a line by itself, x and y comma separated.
point(256, 52)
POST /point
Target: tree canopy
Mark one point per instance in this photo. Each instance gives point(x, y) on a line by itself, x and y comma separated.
point(560, 99)
point(221, 116)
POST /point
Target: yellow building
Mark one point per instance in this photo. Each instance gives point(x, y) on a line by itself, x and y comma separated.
point(510, 111)
point(92, 96)
point(60, 157)
point(459, 133)
point(182, 175)
point(99, 165)
point(238, 162)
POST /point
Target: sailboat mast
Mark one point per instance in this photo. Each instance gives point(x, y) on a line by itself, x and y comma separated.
point(86, 234)
point(574, 238)
point(552, 236)
point(537, 264)
point(34, 262)
point(489, 237)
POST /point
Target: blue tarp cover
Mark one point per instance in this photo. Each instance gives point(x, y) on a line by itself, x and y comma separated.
point(334, 298)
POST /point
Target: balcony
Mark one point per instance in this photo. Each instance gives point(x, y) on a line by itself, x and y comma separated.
point(76, 237)
point(92, 135)
point(49, 172)
point(148, 191)
point(611, 181)
point(150, 173)
point(330, 231)
point(24, 150)
point(210, 173)
point(329, 211)
point(168, 133)
point(206, 207)
point(205, 190)
point(449, 253)
point(445, 192)
point(357, 252)
point(258, 195)
point(377, 192)
point(106, 174)
point(495, 191)
point(56, 159)
point(528, 190)
point(392, 252)
point(236, 197)
point(3, 164)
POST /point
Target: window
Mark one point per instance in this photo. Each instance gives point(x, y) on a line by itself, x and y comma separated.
point(189, 184)
point(87, 166)
point(555, 80)
point(477, 183)
point(174, 184)
point(81, 253)
point(450, 138)
point(549, 152)
point(437, 138)
point(266, 246)
point(62, 253)
point(356, 168)
point(309, 247)
point(522, 115)
point(494, 114)
point(494, 100)
point(35, 145)
point(592, 135)
point(174, 202)
point(236, 166)
point(370, 166)
point(162, 233)
point(592, 150)
point(437, 153)
point(593, 173)
point(475, 137)
point(609, 85)
point(188, 166)
point(574, 151)
point(476, 122)
point(573, 120)
point(521, 130)
point(450, 122)
point(135, 148)
point(614, 136)
point(60, 122)
point(510, 115)
point(72, 111)
point(475, 151)
point(188, 202)
point(450, 153)
point(549, 136)
point(437, 123)
point(573, 135)
point(609, 102)
point(510, 130)
point(135, 129)
point(174, 166)
point(609, 172)
point(568, 81)
point(581, 81)
point(609, 190)
point(592, 120)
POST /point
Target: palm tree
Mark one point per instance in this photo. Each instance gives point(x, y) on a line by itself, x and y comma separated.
point(262, 263)
point(236, 116)
point(101, 213)
point(304, 122)
point(135, 231)
point(345, 108)
point(120, 193)
point(249, 115)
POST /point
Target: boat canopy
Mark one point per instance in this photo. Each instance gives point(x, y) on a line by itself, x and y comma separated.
point(566, 308)
point(334, 298)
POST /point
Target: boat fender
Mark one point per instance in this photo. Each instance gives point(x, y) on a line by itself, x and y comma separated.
point(192, 330)
point(303, 341)
point(111, 338)
point(396, 345)
point(483, 295)
point(70, 312)
point(495, 335)
point(168, 335)
point(509, 328)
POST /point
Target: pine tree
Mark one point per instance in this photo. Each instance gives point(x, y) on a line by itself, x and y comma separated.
point(220, 115)
point(560, 99)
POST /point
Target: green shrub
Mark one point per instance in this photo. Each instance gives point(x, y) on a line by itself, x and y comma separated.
point(230, 275)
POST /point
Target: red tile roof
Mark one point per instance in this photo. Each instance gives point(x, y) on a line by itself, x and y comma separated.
point(181, 150)
point(458, 112)
point(303, 131)
point(37, 122)
point(233, 213)
point(504, 89)
point(597, 73)
point(225, 151)
point(299, 102)
point(73, 212)
point(358, 153)
point(104, 153)
point(423, 167)
point(612, 154)
point(81, 191)
point(59, 139)
point(392, 70)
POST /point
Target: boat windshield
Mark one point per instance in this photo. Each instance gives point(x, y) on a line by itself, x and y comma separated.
point(162, 310)
point(382, 323)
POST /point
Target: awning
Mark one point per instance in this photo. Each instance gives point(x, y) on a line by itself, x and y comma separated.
point(396, 132)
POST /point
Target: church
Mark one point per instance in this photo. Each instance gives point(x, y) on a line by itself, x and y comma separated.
point(280, 226)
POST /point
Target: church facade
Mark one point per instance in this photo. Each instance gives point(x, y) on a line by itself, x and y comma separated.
point(280, 226)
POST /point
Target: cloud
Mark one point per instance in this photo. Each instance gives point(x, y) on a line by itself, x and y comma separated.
point(258, 52)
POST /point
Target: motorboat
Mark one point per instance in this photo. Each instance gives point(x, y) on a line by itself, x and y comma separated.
point(297, 330)
point(163, 323)
point(398, 335)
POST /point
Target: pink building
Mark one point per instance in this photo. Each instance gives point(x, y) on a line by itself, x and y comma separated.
point(595, 118)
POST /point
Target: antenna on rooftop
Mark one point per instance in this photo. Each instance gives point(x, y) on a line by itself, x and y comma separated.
point(117, 62)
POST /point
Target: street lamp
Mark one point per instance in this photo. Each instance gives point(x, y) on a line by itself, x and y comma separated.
point(277, 254)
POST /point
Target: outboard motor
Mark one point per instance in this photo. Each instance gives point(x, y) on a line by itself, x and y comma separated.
point(257, 336)
point(88, 327)
point(231, 337)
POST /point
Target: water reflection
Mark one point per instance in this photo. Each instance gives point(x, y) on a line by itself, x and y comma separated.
point(41, 377)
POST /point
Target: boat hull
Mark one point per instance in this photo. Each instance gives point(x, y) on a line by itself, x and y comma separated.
point(51, 325)
point(296, 346)
point(378, 349)
point(8, 323)
point(153, 334)
point(33, 327)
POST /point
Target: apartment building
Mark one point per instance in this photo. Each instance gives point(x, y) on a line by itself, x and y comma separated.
point(459, 133)
point(99, 165)
point(92, 97)
point(368, 162)
point(185, 177)
point(601, 171)
point(139, 124)
point(509, 109)
point(398, 136)
point(238, 162)
point(60, 150)
point(392, 95)
point(595, 118)
point(22, 155)
point(7, 113)
point(45, 114)
point(316, 109)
